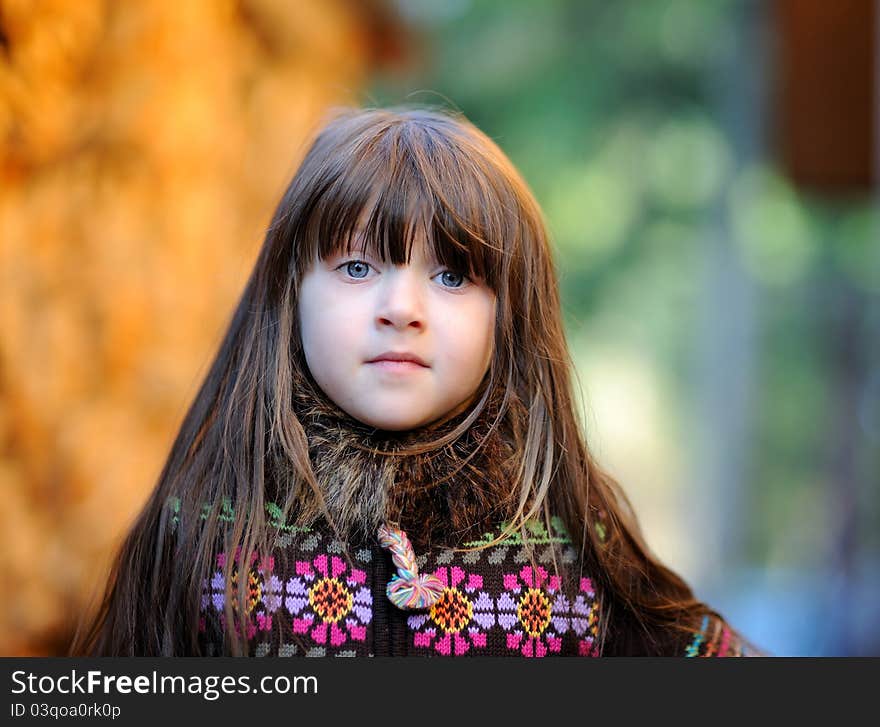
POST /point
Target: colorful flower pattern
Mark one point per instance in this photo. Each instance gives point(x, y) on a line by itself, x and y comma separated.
point(490, 604)
point(329, 601)
point(461, 617)
point(526, 612)
point(533, 611)
point(325, 599)
point(214, 592)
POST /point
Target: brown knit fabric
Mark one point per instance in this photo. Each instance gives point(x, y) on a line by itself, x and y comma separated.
point(439, 497)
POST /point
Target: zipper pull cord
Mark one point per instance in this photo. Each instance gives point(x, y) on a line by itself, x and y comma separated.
point(407, 589)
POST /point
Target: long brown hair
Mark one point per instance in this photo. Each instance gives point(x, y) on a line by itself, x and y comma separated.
point(241, 443)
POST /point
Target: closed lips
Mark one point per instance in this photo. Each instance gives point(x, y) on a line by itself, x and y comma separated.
point(392, 356)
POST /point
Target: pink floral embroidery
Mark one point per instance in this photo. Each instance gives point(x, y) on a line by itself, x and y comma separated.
point(214, 593)
point(328, 601)
point(534, 612)
point(461, 617)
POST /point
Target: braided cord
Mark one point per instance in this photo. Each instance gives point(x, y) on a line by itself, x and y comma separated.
point(407, 589)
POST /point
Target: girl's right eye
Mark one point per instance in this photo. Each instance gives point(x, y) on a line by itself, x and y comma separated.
point(357, 265)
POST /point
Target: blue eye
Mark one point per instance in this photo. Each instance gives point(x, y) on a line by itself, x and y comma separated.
point(349, 265)
point(454, 277)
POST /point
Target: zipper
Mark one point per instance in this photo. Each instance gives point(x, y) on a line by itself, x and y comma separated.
point(381, 604)
point(389, 622)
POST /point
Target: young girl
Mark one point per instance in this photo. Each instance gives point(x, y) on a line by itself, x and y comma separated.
point(384, 458)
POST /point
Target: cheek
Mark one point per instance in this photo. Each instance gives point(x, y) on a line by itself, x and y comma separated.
point(314, 316)
point(468, 338)
point(330, 325)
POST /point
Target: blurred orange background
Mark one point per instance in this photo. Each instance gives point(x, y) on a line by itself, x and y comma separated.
point(143, 148)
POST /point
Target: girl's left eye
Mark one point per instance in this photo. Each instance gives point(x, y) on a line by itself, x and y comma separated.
point(455, 276)
point(352, 263)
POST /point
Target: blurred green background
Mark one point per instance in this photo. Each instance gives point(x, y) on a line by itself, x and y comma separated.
point(723, 313)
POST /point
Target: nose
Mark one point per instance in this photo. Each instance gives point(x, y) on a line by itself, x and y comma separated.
point(401, 302)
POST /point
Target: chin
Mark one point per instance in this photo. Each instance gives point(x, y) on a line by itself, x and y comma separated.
point(392, 424)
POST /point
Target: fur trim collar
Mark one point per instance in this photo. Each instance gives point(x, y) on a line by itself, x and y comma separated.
point(435, 496)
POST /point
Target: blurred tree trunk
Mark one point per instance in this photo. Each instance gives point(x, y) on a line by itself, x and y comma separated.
point(143, 147)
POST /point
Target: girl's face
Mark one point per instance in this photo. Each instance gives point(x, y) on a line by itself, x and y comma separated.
point(354, 308)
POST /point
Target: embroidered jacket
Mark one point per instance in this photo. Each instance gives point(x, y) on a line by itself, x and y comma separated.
point(306, 599)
